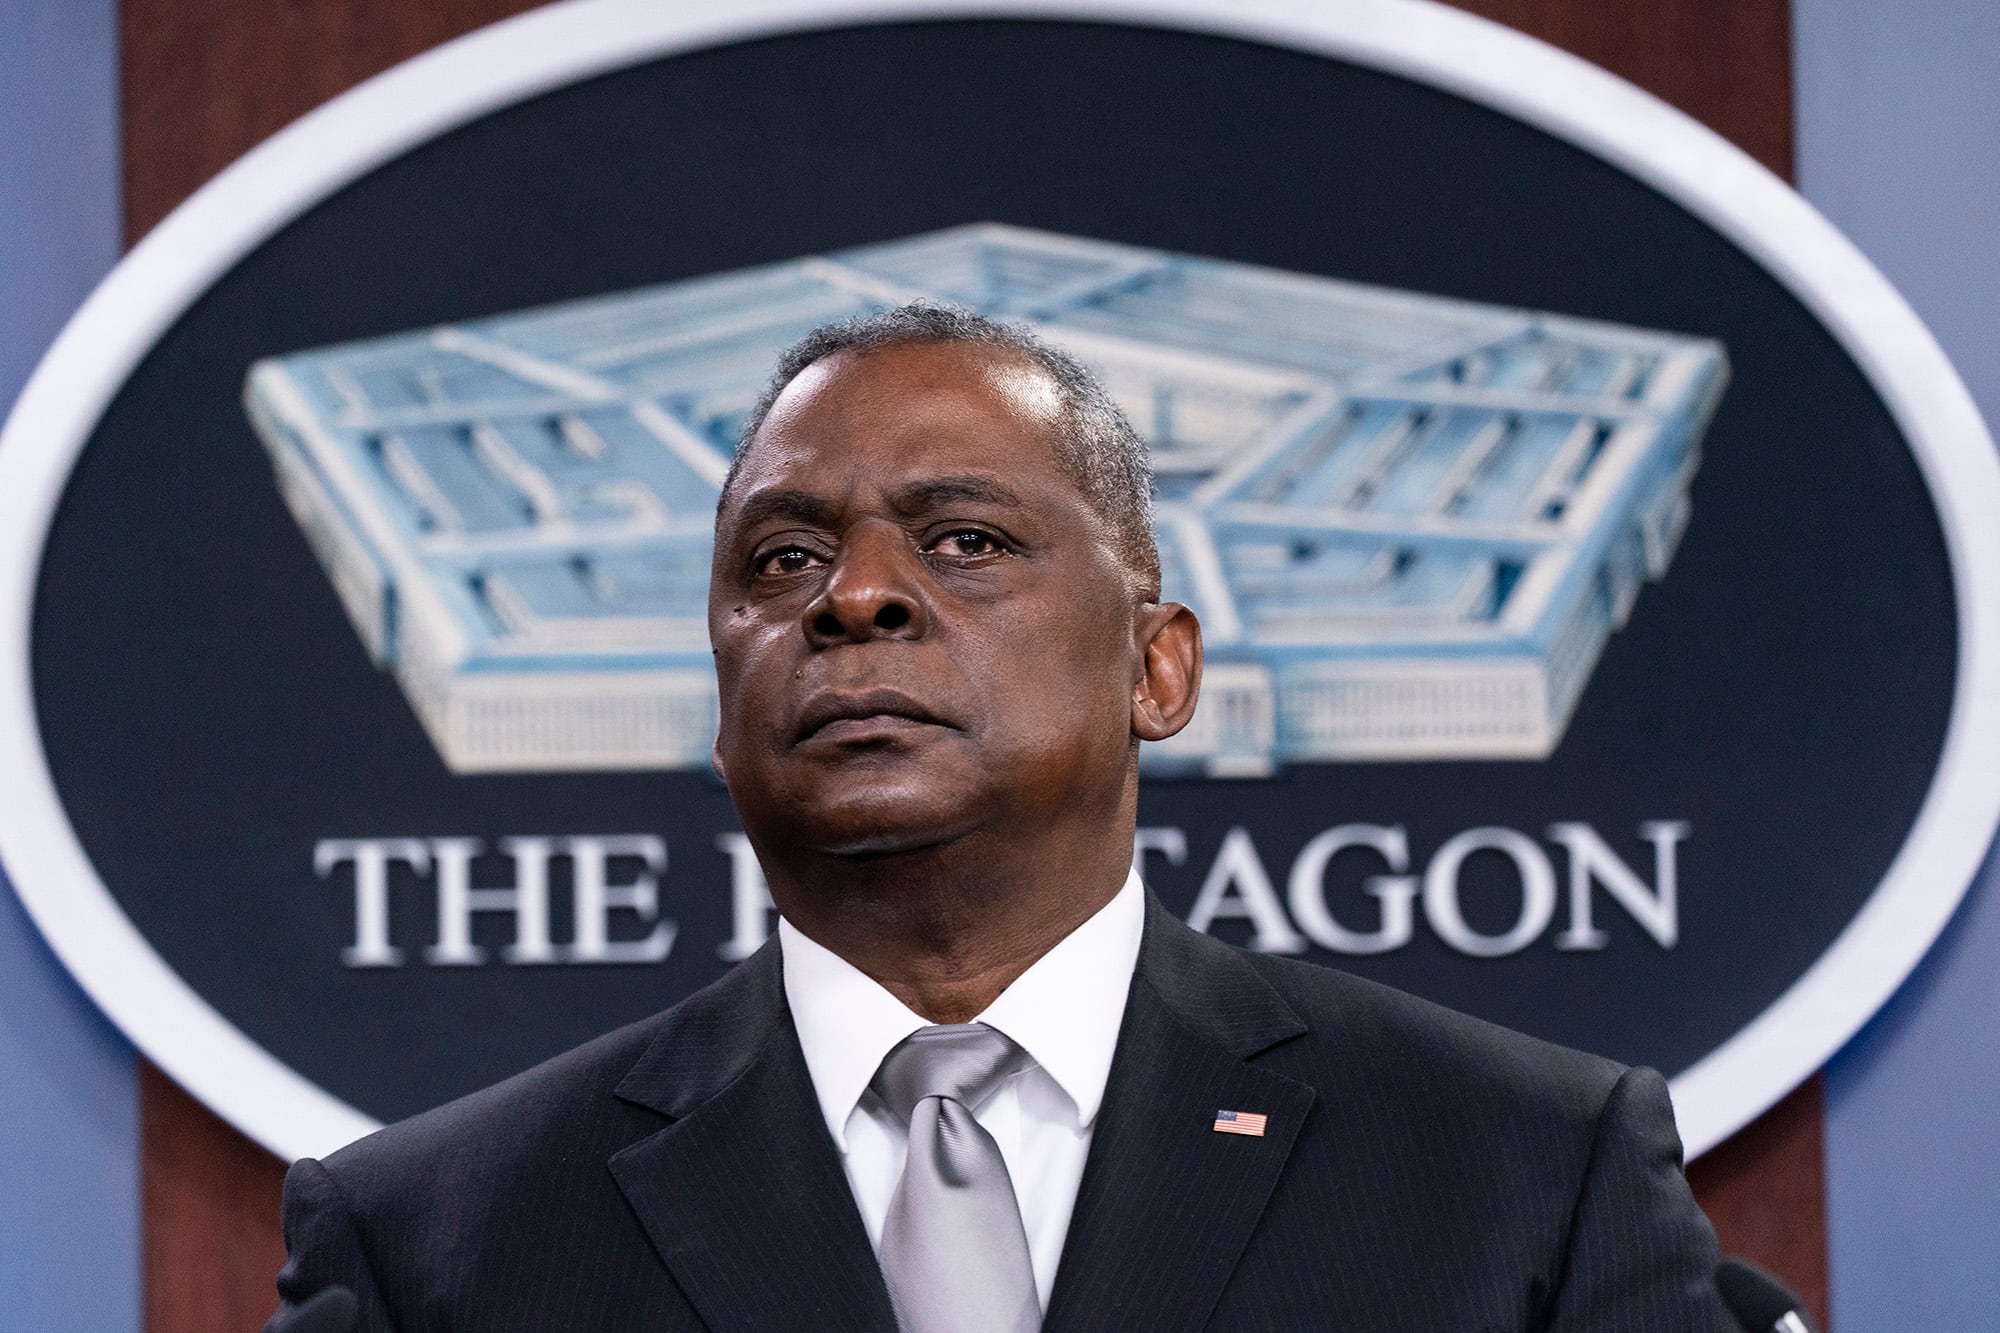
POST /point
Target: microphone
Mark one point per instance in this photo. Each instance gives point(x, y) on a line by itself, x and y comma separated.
point(1759, 1301)
point(328, 1310)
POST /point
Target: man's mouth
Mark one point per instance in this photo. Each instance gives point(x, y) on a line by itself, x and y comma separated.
point(862, 714)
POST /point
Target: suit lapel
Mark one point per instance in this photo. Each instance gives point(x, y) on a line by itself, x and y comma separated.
point(1167, 1204)
point(743, 1195)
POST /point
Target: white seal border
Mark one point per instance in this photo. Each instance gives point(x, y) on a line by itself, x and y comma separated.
point(1418, 39)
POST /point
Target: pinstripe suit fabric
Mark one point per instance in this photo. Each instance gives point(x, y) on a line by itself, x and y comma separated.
point(1421, 1171)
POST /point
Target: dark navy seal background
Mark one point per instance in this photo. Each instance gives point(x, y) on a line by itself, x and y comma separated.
point(209, 713)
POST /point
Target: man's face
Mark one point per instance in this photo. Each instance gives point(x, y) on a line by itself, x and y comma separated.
point(921, 628)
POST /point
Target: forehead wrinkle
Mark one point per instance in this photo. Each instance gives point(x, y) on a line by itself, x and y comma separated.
point(788, 503)
point(934, 492)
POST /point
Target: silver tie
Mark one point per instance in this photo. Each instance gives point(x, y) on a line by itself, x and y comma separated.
point(954, 1252)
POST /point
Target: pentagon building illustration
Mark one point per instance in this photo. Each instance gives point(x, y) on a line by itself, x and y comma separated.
point(1408, 524)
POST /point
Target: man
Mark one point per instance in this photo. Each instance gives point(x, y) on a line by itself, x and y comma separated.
point(980, 1079)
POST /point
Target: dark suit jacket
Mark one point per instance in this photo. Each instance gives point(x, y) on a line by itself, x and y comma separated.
point(1422, 1171)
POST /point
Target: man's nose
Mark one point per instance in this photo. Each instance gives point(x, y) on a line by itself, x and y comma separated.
point(874, 590)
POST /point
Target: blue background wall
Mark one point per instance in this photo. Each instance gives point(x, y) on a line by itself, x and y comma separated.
point(1896, 106)
point(69, 1135)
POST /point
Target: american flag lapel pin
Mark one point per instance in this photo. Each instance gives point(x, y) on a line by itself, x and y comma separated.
point(1240, 1122)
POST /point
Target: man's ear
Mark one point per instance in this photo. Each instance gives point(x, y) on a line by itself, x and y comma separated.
point(715, 760)
point(1163, 697)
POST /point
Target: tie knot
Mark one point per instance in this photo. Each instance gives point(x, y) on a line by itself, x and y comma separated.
point(964, 1062)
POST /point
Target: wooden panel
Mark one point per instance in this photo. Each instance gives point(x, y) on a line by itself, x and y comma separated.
point(206, 80)
point(1727, 63)
point(209, 1207)
point(1765, 1190)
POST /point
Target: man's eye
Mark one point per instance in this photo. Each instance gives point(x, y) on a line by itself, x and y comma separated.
point(787, 560)
point(967, 542)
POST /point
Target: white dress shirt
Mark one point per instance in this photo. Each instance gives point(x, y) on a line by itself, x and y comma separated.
point(1064, 1011)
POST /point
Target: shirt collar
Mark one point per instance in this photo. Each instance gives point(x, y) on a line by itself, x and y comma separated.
point(1064, 1011)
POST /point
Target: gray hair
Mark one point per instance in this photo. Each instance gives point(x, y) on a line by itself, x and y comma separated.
point(1094, 442)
